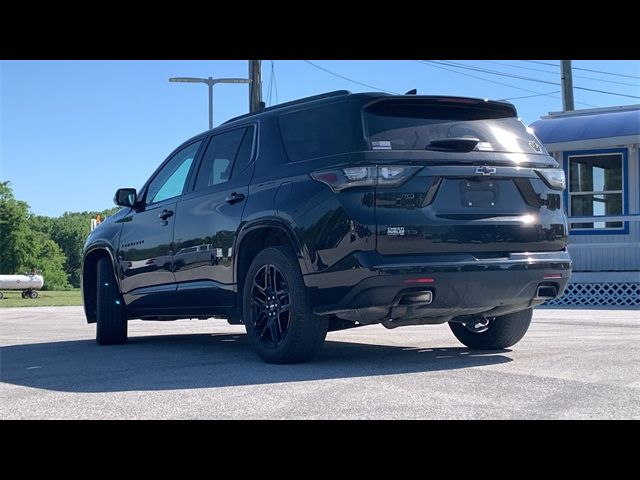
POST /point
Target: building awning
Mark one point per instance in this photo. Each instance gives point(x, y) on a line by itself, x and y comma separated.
point(579, 126)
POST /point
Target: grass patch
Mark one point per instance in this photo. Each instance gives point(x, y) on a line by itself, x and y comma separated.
point(14, 298)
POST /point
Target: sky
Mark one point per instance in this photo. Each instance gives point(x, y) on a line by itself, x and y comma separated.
point(72, 132)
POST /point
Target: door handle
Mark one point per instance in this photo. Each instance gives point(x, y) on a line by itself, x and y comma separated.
point(165, 214)
point(234, 198)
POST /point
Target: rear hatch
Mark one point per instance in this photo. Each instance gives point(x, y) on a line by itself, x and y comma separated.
point(475, 179)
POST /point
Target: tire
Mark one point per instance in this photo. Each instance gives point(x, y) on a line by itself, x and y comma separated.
point(24, 294)
point(111, 320)
point(294, 334)
point(501, 332)
point(1, 295)
point(33, 294)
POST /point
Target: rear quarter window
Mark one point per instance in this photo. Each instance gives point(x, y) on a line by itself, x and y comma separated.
point(316, 132)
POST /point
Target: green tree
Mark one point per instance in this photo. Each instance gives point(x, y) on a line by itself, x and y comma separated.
point(46, 256)
point(50, 244)
point(70, 231)
point(40, 223)
point(23, 248)
point(14, 230)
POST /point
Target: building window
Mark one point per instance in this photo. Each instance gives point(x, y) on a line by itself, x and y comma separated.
point(596, 188)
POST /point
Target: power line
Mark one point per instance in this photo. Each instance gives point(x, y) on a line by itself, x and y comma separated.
point(485, 79)
point(520, 77)
point(275, 80)
point(587, 70)
point(530, 96)
point(556, 73)
point(348, 79)
point(605, 92)
point(520, 66)
point(496, 82)
point(606, 73)
point(273, 84)
point(542, 63)
point(493, 72)
point(270, 88)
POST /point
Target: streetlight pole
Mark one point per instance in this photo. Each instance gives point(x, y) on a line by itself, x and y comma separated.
point(210, 85)
point(210, 82)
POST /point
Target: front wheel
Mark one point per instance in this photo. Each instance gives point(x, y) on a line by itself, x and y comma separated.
point(276, 311)
point(33, 294)
point(493, 333)
point(111, 321)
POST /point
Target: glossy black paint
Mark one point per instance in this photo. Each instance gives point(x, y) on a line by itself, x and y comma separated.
point(206, 226)
point(144, 252)
point(187, 264)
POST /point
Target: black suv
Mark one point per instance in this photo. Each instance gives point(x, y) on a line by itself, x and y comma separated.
point(337, 211)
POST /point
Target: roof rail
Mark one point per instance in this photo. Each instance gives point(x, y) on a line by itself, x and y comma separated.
point(336, 93)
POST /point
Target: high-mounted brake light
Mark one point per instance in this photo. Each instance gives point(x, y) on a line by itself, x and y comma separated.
point(468, 101)
point(366, 176)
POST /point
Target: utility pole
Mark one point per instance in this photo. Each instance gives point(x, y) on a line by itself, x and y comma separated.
point(567, 85)
point(255, 87)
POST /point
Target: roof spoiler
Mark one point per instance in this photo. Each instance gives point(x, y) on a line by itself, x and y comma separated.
point(506, 108)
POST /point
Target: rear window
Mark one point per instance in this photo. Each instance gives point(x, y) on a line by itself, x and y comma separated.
point(316, 132)
point(398, 125)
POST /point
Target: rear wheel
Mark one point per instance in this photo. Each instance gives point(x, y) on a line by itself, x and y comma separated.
point(493, 333)
point(33, 294)
point(278, 318)
point(111, 320)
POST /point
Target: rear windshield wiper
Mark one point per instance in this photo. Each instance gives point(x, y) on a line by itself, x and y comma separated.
point(461, 144)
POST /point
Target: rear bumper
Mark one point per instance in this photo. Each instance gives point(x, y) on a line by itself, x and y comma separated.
point(373, 289)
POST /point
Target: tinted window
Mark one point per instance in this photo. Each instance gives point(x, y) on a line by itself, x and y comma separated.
point(316, 132)
point(401, 125)
point(219, 158)
point(170, 181)
point(244, 153)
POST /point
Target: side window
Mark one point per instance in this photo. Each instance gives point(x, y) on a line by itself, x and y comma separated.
point(218, 159)
point(170, 181)
point(316, 132)
point(244, 153)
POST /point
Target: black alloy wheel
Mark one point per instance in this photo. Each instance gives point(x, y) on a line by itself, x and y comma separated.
point(277, 313)
point(270, 306)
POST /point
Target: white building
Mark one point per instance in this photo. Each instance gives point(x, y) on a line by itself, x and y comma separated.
point(598, 149)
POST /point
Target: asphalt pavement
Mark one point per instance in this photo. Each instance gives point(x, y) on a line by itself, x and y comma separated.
point(572, 364)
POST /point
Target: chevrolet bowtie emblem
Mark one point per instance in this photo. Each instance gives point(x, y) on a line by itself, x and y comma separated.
point(485, 170)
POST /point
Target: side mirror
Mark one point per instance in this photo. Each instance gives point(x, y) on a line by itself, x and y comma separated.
point(126, 197)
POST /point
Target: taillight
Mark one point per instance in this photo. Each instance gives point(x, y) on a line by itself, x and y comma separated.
point(366, 176)
point(554, 177)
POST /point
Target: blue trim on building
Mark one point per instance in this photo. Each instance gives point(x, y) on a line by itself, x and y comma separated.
point(625, 190)
point(578, 126)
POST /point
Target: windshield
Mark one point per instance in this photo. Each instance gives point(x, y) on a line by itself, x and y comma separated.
point(398, 126)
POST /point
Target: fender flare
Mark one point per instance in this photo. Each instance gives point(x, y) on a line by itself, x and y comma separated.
point(103, 246)
point(272, 222)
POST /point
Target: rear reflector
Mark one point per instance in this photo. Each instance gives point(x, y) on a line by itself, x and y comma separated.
point(420, 280)
point(553, 275)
